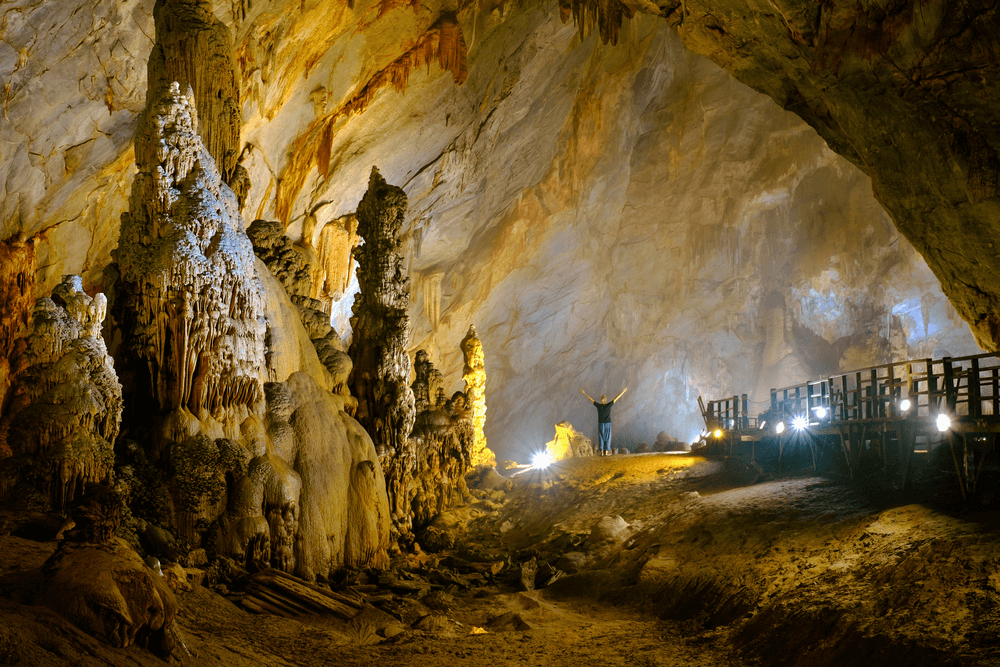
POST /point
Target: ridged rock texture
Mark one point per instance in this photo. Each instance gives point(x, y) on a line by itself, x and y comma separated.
point(474, 376)
point(17, 287)
point(444, 440)
point(63, 409)
point(381, 325)
point(285, 479)
point(290, 265)
point(604, 214)
point(195, 49)
point(108, 591)
point(188, 301)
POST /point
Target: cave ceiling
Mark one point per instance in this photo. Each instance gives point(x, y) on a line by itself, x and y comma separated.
point(605, 214)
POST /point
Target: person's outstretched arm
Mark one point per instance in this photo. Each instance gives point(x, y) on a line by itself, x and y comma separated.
point(588, 397)
point(620, 395)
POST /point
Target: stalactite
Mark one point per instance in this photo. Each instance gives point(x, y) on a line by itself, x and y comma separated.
point(474, 374)
point(332, 272)
point(442, 43)
point(430, 289)
point(17, 285)
point(605, 15)
point(381, 329)
point(65, 400)
point(195, 49)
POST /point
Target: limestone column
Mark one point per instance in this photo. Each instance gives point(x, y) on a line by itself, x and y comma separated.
point(474, 374)
point(381, 329)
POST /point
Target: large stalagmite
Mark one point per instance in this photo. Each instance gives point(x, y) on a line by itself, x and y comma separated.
point(188, 300)
point(287, 479)
point(381, 331)
point(474, 374)
point(65, 404)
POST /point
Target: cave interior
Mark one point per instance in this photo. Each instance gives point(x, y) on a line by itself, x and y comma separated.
point(298, 301)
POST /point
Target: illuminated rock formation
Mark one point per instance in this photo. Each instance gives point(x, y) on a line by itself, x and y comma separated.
point(474, 374)
point(65, 404)
point(381, 329)
point(188, 300)
point(568, 442)
point(326, 511)
point(291, 481)
point(17, 282)
point(430, 289)
point(332, 272)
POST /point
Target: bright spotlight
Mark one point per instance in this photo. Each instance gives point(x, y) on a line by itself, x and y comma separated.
point(542, 460)
point(718, 433)
point(943, 422)
point(905, 404)
point(821, 412)
point(800, 423)
point(780, 428)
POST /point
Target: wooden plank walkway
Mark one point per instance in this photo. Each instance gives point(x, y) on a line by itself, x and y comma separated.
point(876, 418)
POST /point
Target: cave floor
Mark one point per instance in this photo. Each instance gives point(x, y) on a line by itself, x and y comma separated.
point(709, 570)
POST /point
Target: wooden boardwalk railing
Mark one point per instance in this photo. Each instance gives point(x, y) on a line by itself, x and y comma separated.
point(886, 408)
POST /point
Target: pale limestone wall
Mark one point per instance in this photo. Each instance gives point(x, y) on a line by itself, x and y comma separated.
point(606, 216)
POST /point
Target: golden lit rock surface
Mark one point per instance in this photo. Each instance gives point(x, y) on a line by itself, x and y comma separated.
point(568, 442)
point(474, 376)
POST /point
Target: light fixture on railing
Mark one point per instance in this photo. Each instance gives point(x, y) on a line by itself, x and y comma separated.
point(905, 405)
point(780, 428)
point(821, 412)
point(943, 422)
point(718, 433)
point(800, 423)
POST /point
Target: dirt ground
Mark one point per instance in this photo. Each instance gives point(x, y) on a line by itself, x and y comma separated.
point(701, 568)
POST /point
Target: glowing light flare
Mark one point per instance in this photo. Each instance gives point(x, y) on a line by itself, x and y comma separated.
point(905, 404)
point(821, 412)
point(780, 428)
point(718, 433)
point(542, 459)
point(943, 422)
point(800, 423)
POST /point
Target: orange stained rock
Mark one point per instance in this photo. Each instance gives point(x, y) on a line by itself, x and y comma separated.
point(443, 42)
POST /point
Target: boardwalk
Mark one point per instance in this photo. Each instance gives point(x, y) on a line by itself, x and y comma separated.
point(873, 420)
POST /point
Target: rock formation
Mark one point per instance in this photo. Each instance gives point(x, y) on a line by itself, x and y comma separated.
point(381, 329)
point(568, 442)
point(430, 290)
point(288, 263)
point(188, 300)
point(443, 438)
point(64, 407)
point(194, 48)
point(100, 584)
point(474, 375)
point(335, 259)
point(17, 284)
point(286, 478)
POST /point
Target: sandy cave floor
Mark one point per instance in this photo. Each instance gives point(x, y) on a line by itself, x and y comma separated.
point(794, 571)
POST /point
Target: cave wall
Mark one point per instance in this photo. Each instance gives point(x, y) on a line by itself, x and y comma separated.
point(604, 215)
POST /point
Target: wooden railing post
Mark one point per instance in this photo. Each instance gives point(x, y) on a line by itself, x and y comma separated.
point(975, 391)
point(949, 384)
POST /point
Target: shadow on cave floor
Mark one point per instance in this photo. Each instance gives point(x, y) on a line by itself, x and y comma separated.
point(649, 560)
